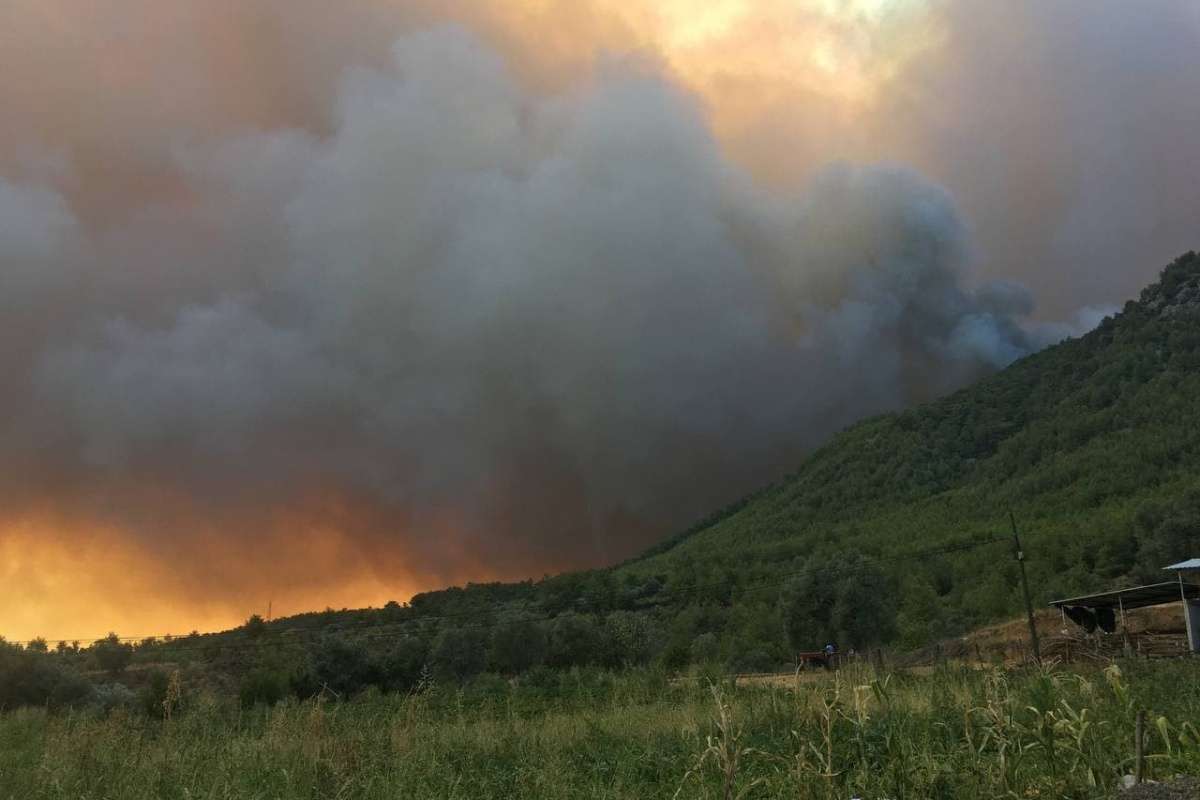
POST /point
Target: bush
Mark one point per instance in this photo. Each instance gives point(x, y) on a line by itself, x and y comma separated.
point(33, 678)
point(459, 653)
point(844, 599)
point(517, 646)
point(112, 655)
point(339, 665)
point(262, 686)
point(675, 655)
point(629, 638)
point(111, 696)
point(161, 695)
point(705, 648)
point(255, 626)
point(574, 641)
point(401, 667)
point(541, 678)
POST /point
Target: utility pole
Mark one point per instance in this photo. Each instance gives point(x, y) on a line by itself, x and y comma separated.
point(1033, 637)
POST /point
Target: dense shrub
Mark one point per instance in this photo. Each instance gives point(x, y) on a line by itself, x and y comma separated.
point(400, 668)
point(111, 696)
point(459, 653)
point(161, 695)
point(517, 646)
point(264, 686)
point(337, 665)
point(541, 678)
point(255, 626)
point(844, 600)
point(112, 655)
point(574, 641)
point(34, 678)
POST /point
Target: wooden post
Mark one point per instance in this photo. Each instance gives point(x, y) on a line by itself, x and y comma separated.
point(1139, 755)
point(1124, 627)
point(1187, 617)
point(1033, 637)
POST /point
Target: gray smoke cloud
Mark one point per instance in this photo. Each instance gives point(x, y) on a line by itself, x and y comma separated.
point(1062, 128)
point(552, 325)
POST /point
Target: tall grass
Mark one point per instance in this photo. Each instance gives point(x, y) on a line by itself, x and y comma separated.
point(954, 734)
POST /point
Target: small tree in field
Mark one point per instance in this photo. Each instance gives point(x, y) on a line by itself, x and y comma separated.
point(112, 654)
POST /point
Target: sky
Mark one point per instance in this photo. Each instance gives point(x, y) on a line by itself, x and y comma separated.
point(306, 304)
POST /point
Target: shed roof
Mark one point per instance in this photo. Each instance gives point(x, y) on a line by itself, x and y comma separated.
point(1191, 563)
point(1154, 594)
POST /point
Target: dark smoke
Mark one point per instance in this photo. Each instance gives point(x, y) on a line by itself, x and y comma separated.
point(538, 330)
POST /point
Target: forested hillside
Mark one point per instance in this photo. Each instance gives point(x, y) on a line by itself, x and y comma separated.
point(1093, 444)
point(896, 532)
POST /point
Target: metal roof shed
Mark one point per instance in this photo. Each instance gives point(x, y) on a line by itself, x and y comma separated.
point(1094, 608)
point(1191, 610)
point(1154, 594)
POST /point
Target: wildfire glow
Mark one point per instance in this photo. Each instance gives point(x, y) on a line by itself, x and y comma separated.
point(157, 262)
point(779, 78)
point(72, 578)
point(79, 584)
point(844, 49)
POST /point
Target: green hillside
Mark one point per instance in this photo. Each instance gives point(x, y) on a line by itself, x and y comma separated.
point(1093, 444)
point(1069, 433)
point(895, 533)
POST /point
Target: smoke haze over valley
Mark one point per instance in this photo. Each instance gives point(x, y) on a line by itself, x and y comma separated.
point(330, 307)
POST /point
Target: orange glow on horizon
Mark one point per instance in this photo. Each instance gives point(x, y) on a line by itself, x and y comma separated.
point(83, 584)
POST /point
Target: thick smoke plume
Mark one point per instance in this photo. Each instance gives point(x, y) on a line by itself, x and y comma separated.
point(452, 321)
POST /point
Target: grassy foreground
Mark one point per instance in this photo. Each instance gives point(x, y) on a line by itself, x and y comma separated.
point(956, 733)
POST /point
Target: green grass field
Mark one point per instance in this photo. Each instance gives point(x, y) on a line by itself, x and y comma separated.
point(588, 734)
